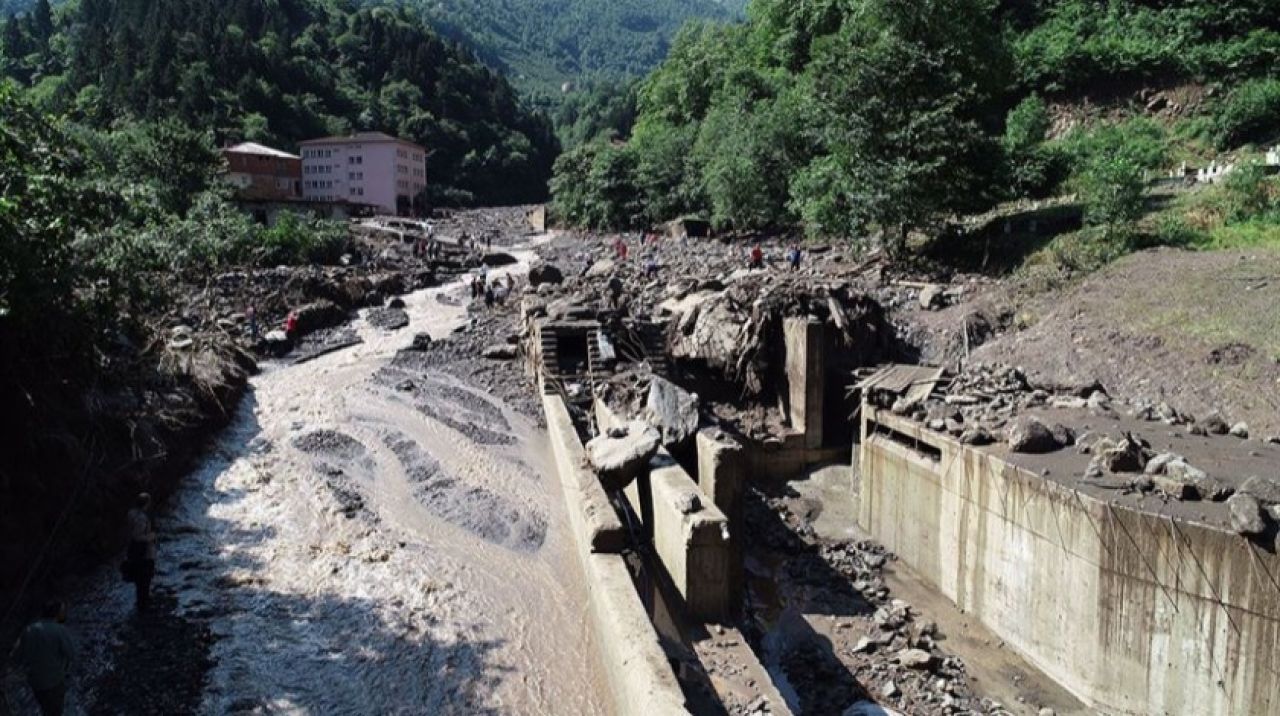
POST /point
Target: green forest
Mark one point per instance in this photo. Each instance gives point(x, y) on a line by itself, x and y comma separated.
point(892, 117)
point(541, 44)
point(282, 72)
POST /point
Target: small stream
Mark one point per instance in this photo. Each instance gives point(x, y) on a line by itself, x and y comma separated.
point(365, 540)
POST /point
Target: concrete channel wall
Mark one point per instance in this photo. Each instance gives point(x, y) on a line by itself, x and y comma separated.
point(1133, 612)
point(693, 546)
point(639, 675)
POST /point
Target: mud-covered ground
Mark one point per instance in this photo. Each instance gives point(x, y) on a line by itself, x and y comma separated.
point(375, 533)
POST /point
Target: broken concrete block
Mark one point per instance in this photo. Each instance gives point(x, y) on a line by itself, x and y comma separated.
point(1246, 515)
point(620, 459)
point(1240, 430)
point(672, 410)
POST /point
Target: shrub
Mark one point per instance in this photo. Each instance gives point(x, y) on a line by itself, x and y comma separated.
point(295, 239)
point(1111, 188)
point(1247, 193)
point(1250, 113)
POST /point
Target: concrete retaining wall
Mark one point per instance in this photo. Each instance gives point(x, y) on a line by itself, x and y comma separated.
point(639, 676)
point(1133, 612)
point(693, 547)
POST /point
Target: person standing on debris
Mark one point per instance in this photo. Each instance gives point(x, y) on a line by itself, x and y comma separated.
point(651, 267)
point(620, 247)
point(140, 559)
point(615, 292)
point(488, 242)
point(291, 324)
point(488, 296)
point(757, 258)
point(251, 315)
point(793, 257)
point(46, 652)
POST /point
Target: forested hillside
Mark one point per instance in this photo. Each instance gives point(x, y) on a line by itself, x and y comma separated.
point(283, 72)
point(543, 43)
point(892, 116)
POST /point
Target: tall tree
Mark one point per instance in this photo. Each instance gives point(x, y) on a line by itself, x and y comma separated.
point(904, 83)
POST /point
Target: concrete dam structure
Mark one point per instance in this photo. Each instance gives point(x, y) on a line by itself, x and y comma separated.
point(1134, 611)
point(1125, 599)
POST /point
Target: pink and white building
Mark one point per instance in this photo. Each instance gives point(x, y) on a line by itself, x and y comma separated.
point(365, 168)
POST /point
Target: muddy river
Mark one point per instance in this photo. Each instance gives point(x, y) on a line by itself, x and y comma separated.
point(367, 540)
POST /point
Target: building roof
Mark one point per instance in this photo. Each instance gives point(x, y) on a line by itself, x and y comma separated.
point(255, 148)
point(363, 137)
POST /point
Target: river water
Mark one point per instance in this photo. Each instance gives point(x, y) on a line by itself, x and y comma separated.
point(367, 546)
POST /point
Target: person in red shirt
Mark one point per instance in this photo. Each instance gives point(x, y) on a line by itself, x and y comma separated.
point(757, 258)
point(291, 324)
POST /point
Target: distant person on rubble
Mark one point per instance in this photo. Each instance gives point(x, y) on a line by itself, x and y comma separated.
point(651, 267)
point(793, 257)
point(757, 258)
point(620, 247)
point(488, 296)
point(615, 292)
point(251, 315)
point(46, 651)
point(291, 324)
point(140, 560)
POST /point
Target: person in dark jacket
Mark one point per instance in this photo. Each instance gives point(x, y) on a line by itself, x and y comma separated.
point(46, 652)
point(141, 557)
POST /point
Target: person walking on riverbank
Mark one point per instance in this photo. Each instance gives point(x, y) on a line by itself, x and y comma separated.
point(140, 560)
point(46, 652)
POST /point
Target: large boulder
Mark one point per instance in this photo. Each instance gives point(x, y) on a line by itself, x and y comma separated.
point(318, 315)
point(498, 259)
point(388, 319)
point(672, 410)
point(1028, 435)
point(1265, 489)
point(601, 268)
point(1214, 424)
point(623, 454)
point(545, 274)
point(1246, 515)
point(1128, 455)
point(421, 342)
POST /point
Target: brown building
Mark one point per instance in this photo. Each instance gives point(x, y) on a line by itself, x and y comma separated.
point(263, 173)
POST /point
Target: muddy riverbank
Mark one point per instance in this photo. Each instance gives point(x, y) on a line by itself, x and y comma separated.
point(355, 545)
